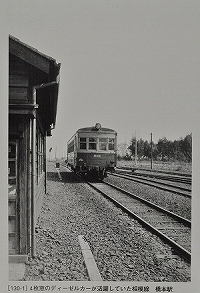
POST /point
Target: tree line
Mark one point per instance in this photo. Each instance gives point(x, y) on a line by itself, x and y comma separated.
point(164, 149)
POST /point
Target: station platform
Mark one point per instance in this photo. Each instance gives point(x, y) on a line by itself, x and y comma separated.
point(17, 267)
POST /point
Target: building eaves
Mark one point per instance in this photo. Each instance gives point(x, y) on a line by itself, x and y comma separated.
point(31, 48)
point(32, 56)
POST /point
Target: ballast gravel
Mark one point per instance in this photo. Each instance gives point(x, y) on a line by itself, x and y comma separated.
point(175, 203)
point(123, 250)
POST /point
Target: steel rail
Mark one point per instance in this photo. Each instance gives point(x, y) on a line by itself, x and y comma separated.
point(153, 184)
point(178, 248)
point(184, 221)
point(151, 171)
point(147, 202)
point(167, 178)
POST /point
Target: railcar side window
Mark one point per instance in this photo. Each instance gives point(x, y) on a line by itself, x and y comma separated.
point(92, 143)
point(83, 143)
point(111, 144)
point(102, 143)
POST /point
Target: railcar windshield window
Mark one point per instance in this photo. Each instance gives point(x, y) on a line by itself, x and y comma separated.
point(83, 143)
point(111, 144)
point(102, 143)
point(92, 143)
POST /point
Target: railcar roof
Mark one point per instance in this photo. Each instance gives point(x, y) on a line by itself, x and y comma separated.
point(88, 129)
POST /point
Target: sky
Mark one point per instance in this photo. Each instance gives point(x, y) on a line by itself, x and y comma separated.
point(133, 66)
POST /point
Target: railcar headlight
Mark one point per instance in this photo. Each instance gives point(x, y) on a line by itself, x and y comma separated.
point(97, 126)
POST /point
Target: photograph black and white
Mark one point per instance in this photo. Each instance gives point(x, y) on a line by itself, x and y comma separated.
point(100, 119)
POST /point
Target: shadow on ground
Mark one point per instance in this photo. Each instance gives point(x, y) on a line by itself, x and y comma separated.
point(68, 177)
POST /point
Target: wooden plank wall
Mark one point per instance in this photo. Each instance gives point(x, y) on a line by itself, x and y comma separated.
point(19, 93)
point(18, 82)
point(18, 213)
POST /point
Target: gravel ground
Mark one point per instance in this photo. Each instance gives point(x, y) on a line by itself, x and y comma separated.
point(173, 202)
point(122, 249)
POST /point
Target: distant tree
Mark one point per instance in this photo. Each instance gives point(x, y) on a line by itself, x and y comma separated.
point(176, 151)
point(140, 147)
point(123, 152)
point(164, 149)
point(169, 147)
point(186, 147)
point(132, 146)
point(147, 150)
point(155, 151)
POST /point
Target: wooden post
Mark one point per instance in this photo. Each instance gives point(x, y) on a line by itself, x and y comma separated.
point(45, 164)
point(33, 175)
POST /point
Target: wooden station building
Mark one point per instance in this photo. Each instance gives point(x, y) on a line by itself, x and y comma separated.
point(33, 96)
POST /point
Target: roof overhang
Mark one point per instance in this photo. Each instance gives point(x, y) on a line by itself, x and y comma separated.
point(44, 63)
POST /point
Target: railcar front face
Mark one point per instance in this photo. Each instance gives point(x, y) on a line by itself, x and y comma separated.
point(96, 150)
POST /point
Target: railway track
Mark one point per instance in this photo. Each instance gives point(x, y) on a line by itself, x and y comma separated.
point(185, 191)
point(163, 175)
point(173, 178)
point(171, 228)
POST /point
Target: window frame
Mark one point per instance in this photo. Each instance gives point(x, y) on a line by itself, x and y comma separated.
point(40, 154)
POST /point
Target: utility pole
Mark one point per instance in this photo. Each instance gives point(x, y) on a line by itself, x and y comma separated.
point(56, 153)
point(151, 151)
point(135, 149)
point(50, 154)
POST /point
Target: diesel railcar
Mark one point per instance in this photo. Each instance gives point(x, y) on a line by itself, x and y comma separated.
point(92, 151)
